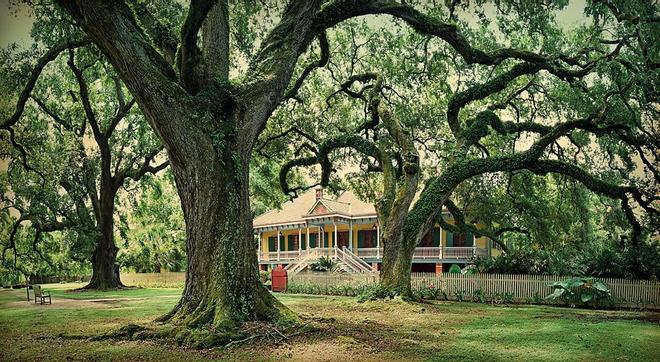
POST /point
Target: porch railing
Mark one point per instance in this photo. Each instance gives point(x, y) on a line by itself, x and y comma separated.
point(427, 252)
point(422, 252)
point(463, 252)
point(282, 255)
point(369, 253)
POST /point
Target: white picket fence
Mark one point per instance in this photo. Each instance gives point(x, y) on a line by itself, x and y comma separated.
point(627, 292)
point(333, 279)
point(522, 288)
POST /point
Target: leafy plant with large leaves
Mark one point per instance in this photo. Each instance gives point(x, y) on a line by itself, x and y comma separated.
point(580, 291)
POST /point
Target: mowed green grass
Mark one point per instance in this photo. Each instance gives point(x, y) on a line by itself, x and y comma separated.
point(345, 330)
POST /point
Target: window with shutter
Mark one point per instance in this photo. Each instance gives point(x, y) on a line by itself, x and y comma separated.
point(292, 242)
point(360, 239)
point(436, 237)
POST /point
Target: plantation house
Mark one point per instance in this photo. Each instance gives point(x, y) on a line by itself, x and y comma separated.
point(347, 230)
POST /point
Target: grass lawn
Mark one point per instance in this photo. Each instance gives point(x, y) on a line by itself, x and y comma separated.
point(347, 330)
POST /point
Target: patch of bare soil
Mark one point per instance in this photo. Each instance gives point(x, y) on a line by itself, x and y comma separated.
point(60, 302)
point(57, 303)
point(113, 300)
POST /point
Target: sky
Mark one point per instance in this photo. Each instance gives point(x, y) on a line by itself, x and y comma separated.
point(15, 24)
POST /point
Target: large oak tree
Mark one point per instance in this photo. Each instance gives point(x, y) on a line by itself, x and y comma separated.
point(209, 122)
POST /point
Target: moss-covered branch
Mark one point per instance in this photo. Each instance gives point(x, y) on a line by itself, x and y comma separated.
point(189, 58)
point(334, 12)
point(461, 226)
point(162, 37)
point(321, 62)
point(215, 32)
point(322, 158)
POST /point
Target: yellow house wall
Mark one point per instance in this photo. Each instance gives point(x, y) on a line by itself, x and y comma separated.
point(481, 242)
point(328, 228)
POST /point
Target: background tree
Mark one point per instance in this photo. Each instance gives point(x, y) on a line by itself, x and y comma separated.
point(551, 112)
point(77, 140)
point(152, 229)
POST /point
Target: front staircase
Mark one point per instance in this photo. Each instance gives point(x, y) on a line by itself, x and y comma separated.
point(344, 257)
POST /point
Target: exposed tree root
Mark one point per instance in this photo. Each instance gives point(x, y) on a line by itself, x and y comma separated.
point(382, 292)
point(199, 338)
point(90, 287)
point(269, 333)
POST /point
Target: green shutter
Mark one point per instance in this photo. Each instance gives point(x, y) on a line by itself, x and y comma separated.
point(469, 240)
point(436, 237)
point(272, 243)
point(312, 240)
point(450, 238)
point(360, 238)
point(291, 241)
point(303, 241)
point(326, 240)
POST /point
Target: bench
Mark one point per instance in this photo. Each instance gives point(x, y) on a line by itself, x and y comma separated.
point(41, 295)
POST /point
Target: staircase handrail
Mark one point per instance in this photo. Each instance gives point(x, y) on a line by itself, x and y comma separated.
point(366, 266)
point(353, 261)
point(300, 263)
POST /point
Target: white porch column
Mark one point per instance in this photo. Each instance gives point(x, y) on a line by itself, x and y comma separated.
point(299, 241)
point(334, 238)
point(259, 247)
point(377, 240)
point(350, 235)
point(441, 243)
point(278, 245)
point(307, 239)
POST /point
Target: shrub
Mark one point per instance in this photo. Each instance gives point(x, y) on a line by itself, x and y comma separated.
point(264, 276)
point(375, 292)
point(479, 296)
point(455, 269)
point(460, 295)
point(583, 291)
point(339, 289)
point(325, 264)
point(430, 292)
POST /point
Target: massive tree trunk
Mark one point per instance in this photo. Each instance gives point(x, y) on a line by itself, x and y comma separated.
point(208, 128)
point(105, 270)
point(222, 282)
point(398, 194)
point(396, 267)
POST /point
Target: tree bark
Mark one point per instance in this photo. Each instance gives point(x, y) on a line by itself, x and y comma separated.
point(105, 270)
point(209, 138)
point(222, 286)
point(396, 267)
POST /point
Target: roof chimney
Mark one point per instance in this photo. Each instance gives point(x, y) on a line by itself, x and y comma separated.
point(319, 192)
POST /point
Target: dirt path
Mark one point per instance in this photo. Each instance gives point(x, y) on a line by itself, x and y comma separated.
point(61, 302)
